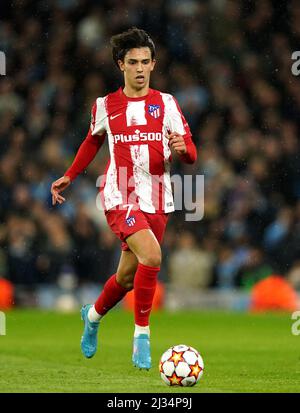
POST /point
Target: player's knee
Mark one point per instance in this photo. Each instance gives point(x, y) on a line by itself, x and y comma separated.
point(153, 259)
point(126, 280)
point(128, 285)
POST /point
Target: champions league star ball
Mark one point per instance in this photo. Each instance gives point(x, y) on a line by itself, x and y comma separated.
point(181, 366)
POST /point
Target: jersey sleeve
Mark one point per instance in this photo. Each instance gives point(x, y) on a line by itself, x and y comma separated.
point(175, 120)
point(89, 147)
point(85, 154)
point(98, 117)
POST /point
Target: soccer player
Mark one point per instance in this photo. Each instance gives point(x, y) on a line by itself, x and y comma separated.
point(141, 125)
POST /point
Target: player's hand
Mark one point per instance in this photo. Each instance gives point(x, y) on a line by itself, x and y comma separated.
point(177, 142)
point(58, 186)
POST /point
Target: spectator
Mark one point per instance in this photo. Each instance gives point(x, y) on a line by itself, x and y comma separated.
point(255, 269)
point(190, 266)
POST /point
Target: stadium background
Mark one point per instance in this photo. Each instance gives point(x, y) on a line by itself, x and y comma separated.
point(228, 62)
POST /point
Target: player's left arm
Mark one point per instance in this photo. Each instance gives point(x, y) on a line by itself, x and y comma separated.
point(183, 146)
point(179, 134)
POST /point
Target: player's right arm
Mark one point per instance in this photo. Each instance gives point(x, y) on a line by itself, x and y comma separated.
point(85, 154)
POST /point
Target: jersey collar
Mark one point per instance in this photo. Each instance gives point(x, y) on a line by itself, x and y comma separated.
point(137, 98)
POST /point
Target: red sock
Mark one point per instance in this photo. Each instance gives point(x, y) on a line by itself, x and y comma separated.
point(112, 293)
point(144, 289)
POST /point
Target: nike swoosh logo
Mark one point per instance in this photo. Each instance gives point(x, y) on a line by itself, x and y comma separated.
point(115, 116)
point(145, 311)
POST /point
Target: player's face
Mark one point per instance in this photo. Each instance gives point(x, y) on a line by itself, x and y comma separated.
point(137, 67)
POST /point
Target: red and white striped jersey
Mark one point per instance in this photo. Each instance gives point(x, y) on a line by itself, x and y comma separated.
point(138, 171)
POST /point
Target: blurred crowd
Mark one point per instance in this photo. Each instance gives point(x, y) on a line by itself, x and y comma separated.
point(228, 62)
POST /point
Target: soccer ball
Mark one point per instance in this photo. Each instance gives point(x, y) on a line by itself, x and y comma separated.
point(181, 366)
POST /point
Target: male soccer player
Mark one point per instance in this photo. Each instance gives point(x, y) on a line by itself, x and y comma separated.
point(141, 126)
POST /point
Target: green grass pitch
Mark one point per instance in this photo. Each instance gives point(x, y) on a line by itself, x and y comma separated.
point(241, 352)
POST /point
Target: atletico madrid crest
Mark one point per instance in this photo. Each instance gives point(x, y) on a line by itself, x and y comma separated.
point(130, 221)
point(154, 110)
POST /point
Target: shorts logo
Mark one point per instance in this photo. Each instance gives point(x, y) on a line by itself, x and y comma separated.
point(154, 111)
point(130, 221)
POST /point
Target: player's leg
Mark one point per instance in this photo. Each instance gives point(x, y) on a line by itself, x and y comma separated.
point(117, 286)
point(126, 269)
point(114, 290)
point(147, 250)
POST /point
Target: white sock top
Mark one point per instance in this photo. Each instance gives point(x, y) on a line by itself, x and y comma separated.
point(93, 316)
point(141, 330)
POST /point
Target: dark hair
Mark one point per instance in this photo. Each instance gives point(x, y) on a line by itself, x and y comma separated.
point(130, 39)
